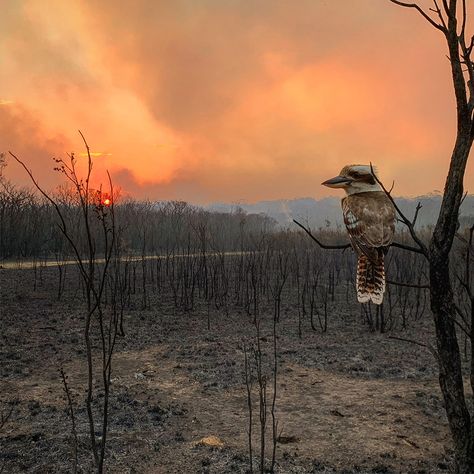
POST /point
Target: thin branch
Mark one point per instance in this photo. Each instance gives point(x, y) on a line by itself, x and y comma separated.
point(72, 417)
point(458, 324)
point(417, 343)
point(408, 285)
point(464, 18)
point(411, 341)
point(446, 8)
point(323, 246)
point(409, 248)
point(405, 220)
point(468, 254)
point(406, 247)
point(62, 226)
point(461, 238)
point(422, 12)
point(466, 287)
point(466, 283)
point(415, 217)
point(438, 11)
point(466, 56)
point(471, 45)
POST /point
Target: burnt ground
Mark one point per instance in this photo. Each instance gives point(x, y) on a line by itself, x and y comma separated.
point(348, 400)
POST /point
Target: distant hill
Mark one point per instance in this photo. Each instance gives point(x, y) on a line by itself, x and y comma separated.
point(326, 212)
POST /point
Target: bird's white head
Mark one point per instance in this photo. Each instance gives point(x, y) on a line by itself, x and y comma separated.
point(355, 179)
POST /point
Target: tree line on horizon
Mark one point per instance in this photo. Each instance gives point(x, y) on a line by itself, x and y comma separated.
point(28, 223)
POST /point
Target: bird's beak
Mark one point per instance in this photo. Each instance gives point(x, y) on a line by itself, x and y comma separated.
point(337, 182)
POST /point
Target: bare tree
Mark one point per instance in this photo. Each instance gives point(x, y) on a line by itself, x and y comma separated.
point(97, 232)
point(450, 18)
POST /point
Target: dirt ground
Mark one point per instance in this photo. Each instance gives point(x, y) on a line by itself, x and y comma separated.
point(348, 401)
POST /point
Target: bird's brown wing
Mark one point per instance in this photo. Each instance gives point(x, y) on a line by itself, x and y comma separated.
point(370, 222)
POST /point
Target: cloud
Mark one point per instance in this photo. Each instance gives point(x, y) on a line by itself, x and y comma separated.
point(230, 100)
point(180, 188)
point(22, 133)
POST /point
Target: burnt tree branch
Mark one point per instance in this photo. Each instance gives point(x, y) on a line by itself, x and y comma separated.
point(348, 245)
point(409, 224)
point(422, 13)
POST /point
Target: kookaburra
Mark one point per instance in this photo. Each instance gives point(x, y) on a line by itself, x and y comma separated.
point(369, 216)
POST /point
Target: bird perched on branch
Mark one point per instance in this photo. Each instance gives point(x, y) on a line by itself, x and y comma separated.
point(369, 216)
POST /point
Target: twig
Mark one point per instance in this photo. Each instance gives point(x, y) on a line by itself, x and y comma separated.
point(405, 220)
point(324, 246)
point(417, 343)
point(422, 13)
point(406, 247)
point(408, 285)
point(248, 384)
point(415, 217)
point(346, 246)
point(71, 415)
point(440, 15)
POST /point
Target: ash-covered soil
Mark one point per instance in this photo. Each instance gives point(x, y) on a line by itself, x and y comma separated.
point(348, 401)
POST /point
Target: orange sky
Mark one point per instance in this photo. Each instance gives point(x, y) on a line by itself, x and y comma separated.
point(226, 100)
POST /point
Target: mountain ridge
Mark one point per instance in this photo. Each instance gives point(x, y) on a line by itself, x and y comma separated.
point(326, 212)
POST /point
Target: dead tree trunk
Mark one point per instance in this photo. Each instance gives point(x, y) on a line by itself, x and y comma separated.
point(443, 305)
point(451, 21)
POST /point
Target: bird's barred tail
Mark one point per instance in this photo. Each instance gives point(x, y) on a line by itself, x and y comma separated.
point(370, 279)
